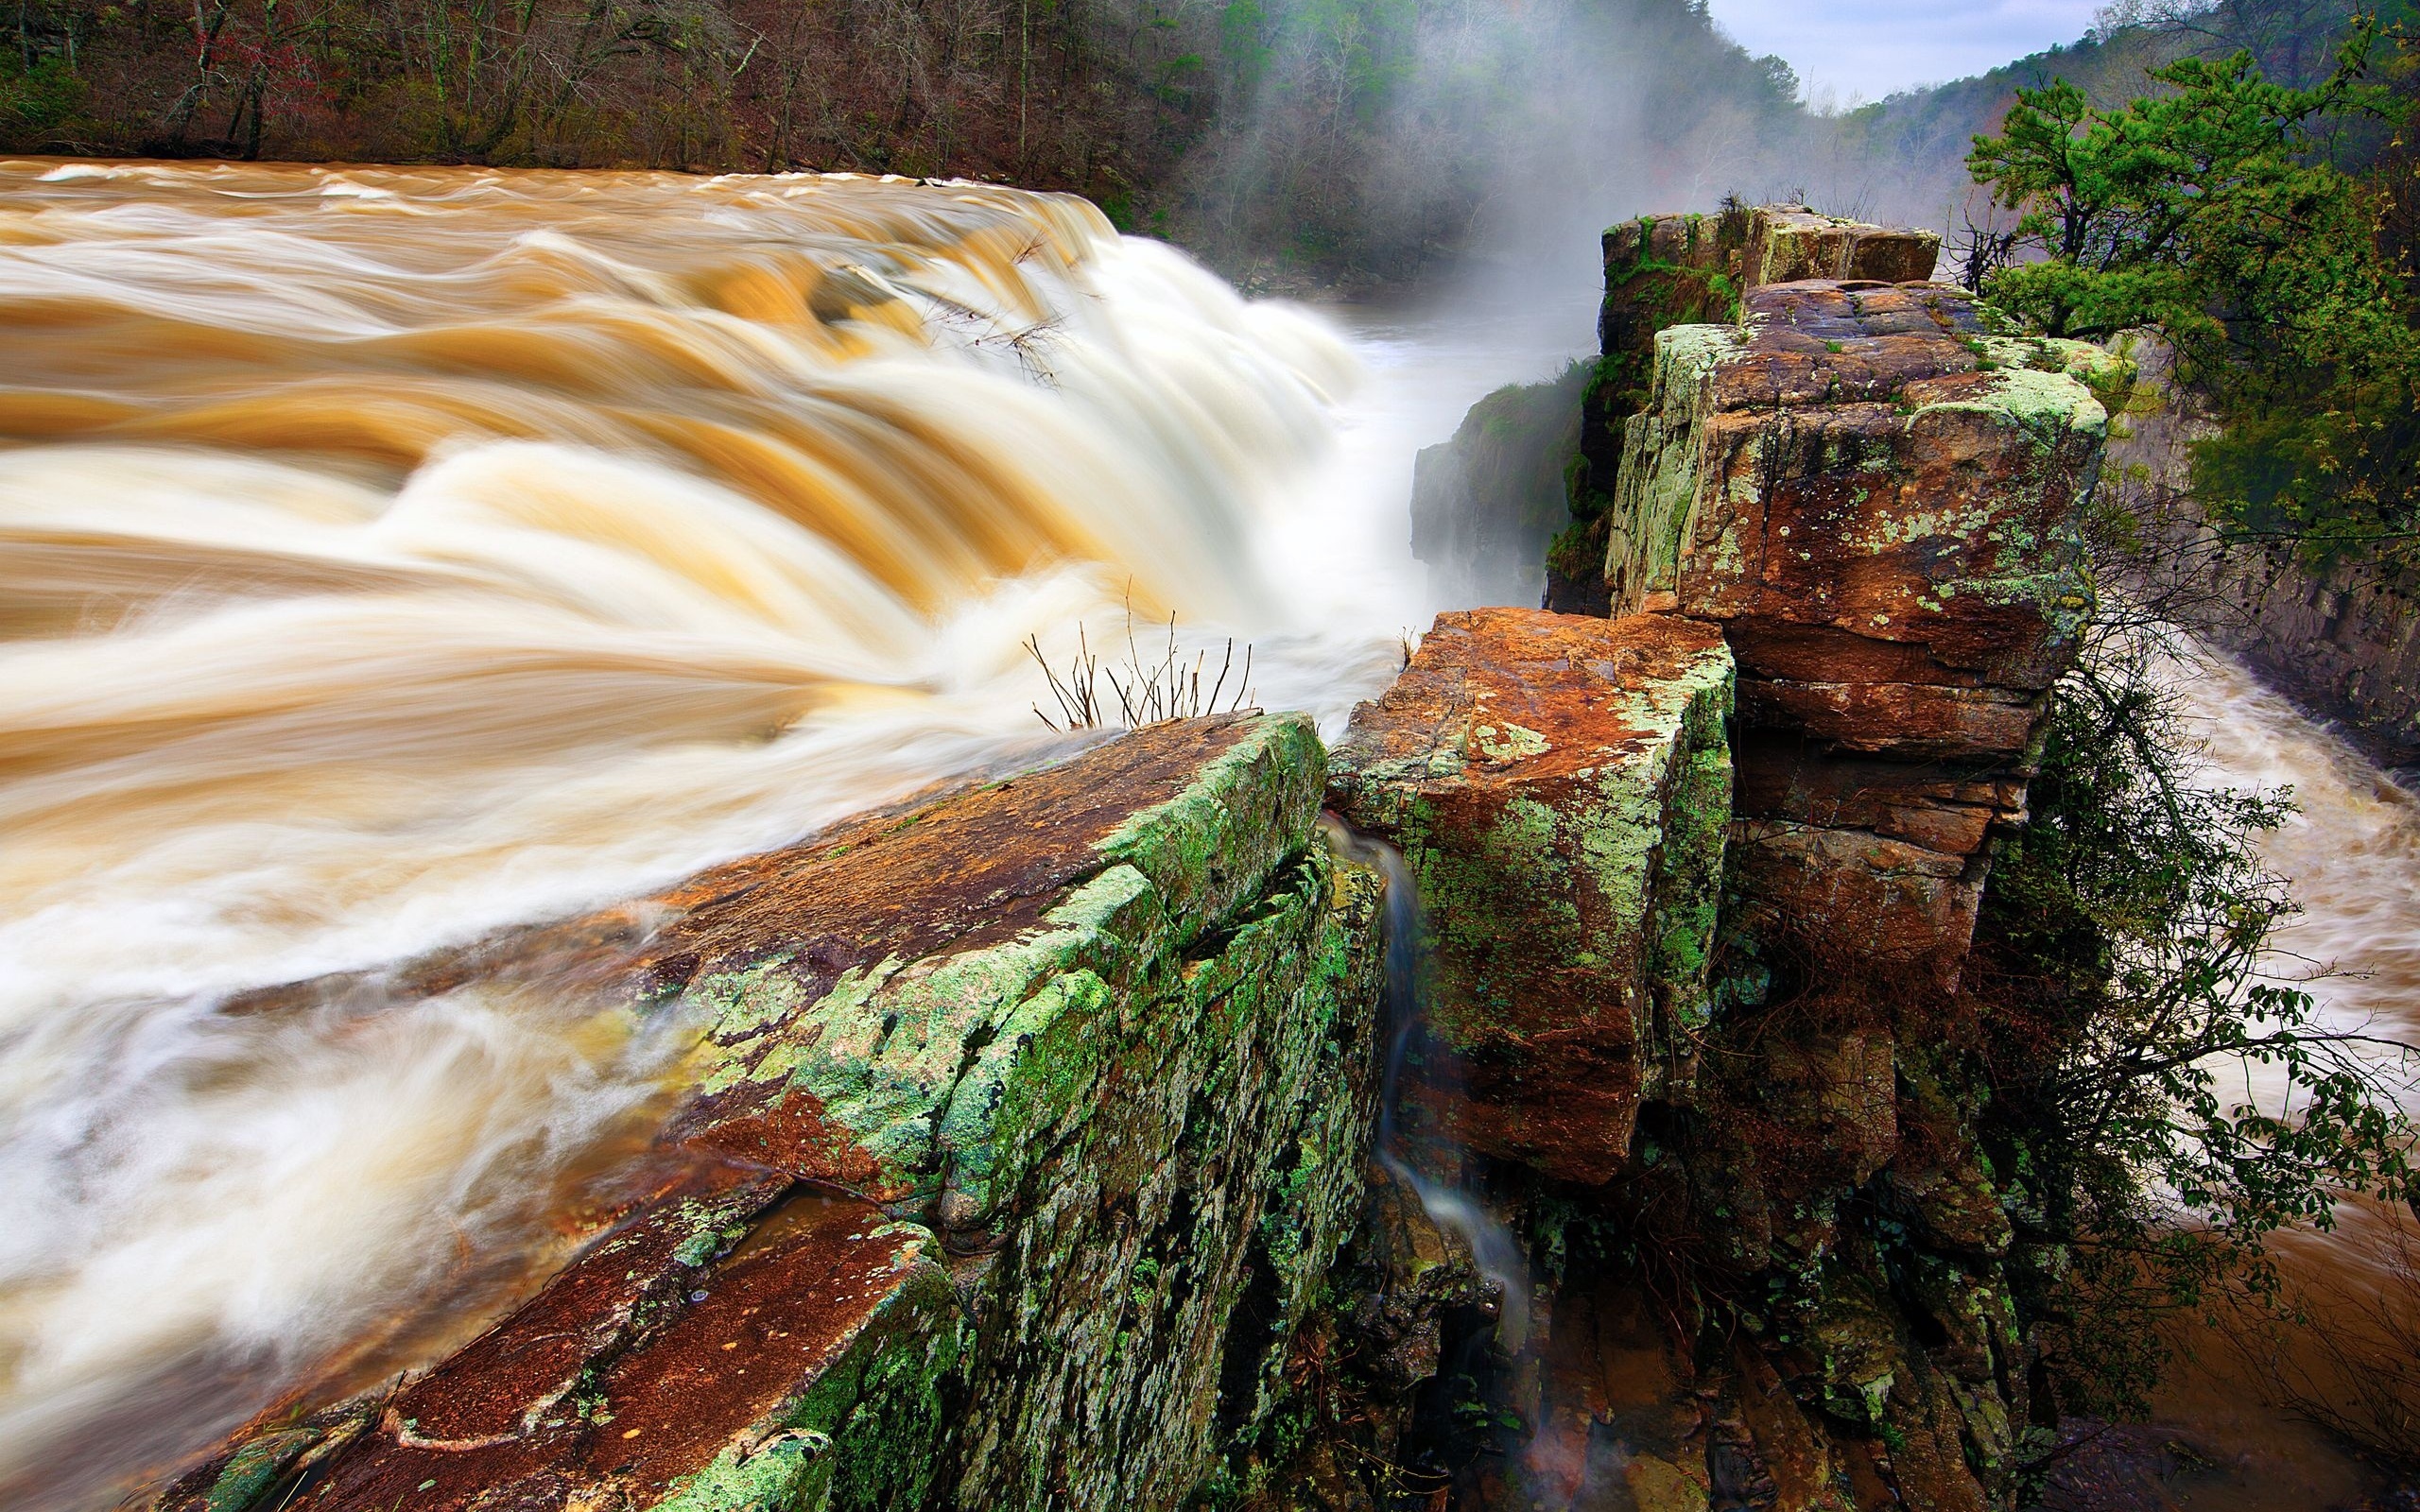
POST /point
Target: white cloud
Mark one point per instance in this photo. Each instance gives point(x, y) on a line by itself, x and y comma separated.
point(1870, 47)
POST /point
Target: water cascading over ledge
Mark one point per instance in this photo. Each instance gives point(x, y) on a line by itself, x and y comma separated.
point(1021, 1129)
point(393, 558)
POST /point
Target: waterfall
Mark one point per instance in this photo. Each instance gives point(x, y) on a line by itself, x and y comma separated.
point(390, 556)
point(1410, 1158)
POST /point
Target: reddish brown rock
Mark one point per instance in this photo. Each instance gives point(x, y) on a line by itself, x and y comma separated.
point(1667, 270)
point(1560, 786)
point(1879, 503)
point(1007, 1106)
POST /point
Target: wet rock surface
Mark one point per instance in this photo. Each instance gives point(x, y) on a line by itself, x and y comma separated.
point(1040, 1103)
point(1020, 1161)
point(1559, 785)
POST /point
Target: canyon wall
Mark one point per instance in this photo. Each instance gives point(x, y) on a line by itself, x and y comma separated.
point(2339, 637)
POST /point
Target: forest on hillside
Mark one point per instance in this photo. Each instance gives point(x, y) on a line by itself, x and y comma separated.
point(1354, 140)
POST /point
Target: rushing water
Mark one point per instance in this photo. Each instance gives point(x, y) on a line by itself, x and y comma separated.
point(387, 556)
point(2352, 855)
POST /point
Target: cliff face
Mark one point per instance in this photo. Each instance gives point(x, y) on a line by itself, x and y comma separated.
point(2341, 639)
point(1880, 504)
point(1556, 785)
point(1042, 1104)
point(1484, 490)
point(1514, 450)
point(1771, 1250)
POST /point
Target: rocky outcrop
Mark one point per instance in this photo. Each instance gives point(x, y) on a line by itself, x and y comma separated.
point(1558, 786)
point(1880, 504)
point(1662, 271)
point(1528, 465)
point(1021, 1160)
point(1790, 243)
point(1039, 1105)
point(1769, 1255)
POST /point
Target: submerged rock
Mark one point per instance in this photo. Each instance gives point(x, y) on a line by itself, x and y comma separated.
point(1560, 786)
point(1039, 1105)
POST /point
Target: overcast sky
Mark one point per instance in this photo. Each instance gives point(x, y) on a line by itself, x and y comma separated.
point(1870, 47)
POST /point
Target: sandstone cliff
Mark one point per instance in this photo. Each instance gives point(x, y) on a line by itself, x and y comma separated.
point(1771, 1251)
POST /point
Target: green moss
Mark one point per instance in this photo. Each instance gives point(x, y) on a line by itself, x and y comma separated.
point(1688, 884)
point(256, 1467)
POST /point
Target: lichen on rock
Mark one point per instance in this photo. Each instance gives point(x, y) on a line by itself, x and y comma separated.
point(1560, 786)
point(1040, 1102)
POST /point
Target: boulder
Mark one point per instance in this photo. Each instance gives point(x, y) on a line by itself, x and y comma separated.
point(1786, 242)
point(1039, 1103)
point(1560, 788)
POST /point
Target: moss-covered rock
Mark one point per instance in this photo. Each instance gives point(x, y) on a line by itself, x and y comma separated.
point(1662, 271)
point(1039, 1105)
point(1560, 786)
point(1880, 500)
point(1787, 243)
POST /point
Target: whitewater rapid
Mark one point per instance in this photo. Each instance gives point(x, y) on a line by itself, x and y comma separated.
point(392, 556)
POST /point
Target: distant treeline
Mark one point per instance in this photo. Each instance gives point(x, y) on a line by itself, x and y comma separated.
point(1333, 134)
point(1353, 138)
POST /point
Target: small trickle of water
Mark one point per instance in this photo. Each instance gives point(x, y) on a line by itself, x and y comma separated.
point(1493, 1246)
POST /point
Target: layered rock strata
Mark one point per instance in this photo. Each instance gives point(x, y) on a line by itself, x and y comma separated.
point(1558, 786)
point(1790, 243)
point(1779, 1280)
point(1021, 1131)
point(1662, 271)
point(1879, 503)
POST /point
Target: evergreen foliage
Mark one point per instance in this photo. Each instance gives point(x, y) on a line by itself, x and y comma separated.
point(2256, 225)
